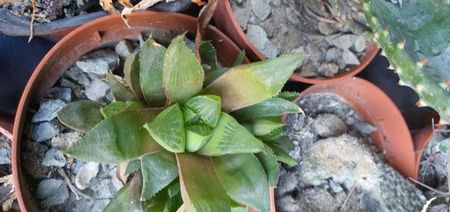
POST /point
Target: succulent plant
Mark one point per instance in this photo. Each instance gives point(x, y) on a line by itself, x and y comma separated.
point(414, 36)
point(189, 134)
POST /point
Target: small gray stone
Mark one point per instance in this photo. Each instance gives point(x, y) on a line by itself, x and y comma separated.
point(291, 16)
point(54, 157)
point(325, 28)
point(100, 205)
point(243, 17)
point(360, 44)
point(64, 94)
point(328, 69)
point(371, 204)
point(329, 125)
point(65, 140)
point(115, 180)
point(99, 62)
point(309, 70)
point(103, 189)
point(5, 156)
point(287, 183)
point(85, 175)
point(333, 54)
point(364, 127)
point(75, 74)
point(52, 192)
point(123, 48)
point(97, 90)
point(336, 188)
point(48, 110)
point(259, 39)
point(349, 58)
point(261, 8)
point(43, 131)
point(344, 42)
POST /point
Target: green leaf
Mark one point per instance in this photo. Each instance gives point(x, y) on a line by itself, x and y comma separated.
point(239, 59)
point(131, 72)
point(163, 201)
point(183, 75)
point(112, 109)
point(200, 188)
point(133, 166)
point(269, 161)
point(82, 115)
point(284, 143)
point(119, 106)
point(120, 202)
point(197, 136)
point(208, 107)
point(265, 126)
point(208, 56)
point(135, 192)
point(168, 129)
point(229, 137)
point(282, 156)
point(246, 85)
point(244, 179)
point(273, 107)
point(158, 171)
point(211, 77)
point(151, 57)
point(190, 117)
point(288, 95)
point(120, 91)
point(117, 139)
point(273, 135)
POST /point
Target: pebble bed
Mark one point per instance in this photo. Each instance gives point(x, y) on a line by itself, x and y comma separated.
point(301, 26)
point(339, 169)
point(64, 183)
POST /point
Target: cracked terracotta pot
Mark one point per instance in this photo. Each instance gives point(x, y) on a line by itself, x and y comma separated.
point(227, 22)
point(99, 33)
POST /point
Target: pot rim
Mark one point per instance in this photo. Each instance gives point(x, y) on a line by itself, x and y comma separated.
point(40, 81)
point(375, 107)
point(227, 22)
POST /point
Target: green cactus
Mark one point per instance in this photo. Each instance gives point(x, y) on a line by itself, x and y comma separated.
point(415, 37)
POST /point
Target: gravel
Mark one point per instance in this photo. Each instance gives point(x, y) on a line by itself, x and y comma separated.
point(48, 110)
point(43, 131)
point(54, 157)
point(99, 62)
point(52, 192)
point(85, 174)
point(92, 184)
point(282, 27)
point(338, 168)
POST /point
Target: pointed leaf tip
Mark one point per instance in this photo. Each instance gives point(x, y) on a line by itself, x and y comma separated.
point(250, 84)
point(168, 129)
point(182, 73)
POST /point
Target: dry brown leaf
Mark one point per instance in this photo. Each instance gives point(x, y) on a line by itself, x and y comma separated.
point(126, 3)
point(144, 4)
point(108, 6)
point(199, 2)
point(203, 20)
point(33, 13)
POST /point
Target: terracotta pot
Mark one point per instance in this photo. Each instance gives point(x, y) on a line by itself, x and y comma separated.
point(375, 107)
point(226, 21)
point(101, 32)
point(11, 24)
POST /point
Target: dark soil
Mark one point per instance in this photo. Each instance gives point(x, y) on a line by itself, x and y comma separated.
point(50, 10)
